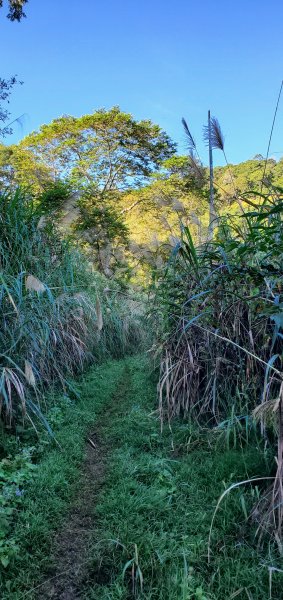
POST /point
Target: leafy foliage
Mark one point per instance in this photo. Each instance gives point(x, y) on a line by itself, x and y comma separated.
point(15, 474)
point(128, 190)
point(108, 149)
point(54, 196)
point(102, 229)
point(153, 511)
point(16, 9)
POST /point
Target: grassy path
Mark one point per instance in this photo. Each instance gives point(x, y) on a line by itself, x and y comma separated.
point(73, 544)
point(132, 508)
point(55, 494)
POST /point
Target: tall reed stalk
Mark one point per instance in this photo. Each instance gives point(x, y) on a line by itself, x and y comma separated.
point(223, 329)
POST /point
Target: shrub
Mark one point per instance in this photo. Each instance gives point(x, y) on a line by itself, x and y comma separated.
point(54, 196)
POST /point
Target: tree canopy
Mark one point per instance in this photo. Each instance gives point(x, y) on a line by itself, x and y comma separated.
point(16, 9)
point(103, 156)
point(107, 149)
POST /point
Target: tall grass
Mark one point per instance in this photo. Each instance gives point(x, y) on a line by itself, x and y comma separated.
point(222, 329)
point(55, 313)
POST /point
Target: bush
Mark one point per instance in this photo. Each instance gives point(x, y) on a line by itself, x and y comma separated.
point(54, 196)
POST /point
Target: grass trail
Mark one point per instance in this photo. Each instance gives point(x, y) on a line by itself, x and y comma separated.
point(56, 489)
point(148, 506)
point(156, 506)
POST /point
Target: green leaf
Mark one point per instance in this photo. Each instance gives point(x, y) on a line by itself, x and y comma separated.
point(5, 561)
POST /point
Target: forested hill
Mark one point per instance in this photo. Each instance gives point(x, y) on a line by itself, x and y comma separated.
point(248, 175)
point(120, 188)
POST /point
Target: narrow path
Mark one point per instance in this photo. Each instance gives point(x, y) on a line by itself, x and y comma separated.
point(72, 543)
point(72, 546)
point(138, 526)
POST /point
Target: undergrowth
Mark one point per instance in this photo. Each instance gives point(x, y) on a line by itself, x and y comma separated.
point(153, 515)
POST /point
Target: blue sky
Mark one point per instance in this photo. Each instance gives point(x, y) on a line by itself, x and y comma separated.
point(154, 58)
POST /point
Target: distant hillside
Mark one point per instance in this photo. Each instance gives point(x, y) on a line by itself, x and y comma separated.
point(248, 176)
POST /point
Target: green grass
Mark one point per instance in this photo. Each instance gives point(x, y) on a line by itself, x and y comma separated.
point(153, 514)
point(156, 508)
point(48, 497)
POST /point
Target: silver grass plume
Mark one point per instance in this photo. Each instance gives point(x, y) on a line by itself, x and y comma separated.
point(194, 163)
point(190, 139)
point(217, 143)
point(196, 167)
point(216, 135)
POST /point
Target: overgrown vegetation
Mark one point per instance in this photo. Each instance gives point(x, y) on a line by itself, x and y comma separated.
point(126, 190)
point(222, 356)
point(52, 309)
point(157, 504)
point(39, 479)
point(57, 317)
point(152, 516)
point(110, 244)
point(128, 211)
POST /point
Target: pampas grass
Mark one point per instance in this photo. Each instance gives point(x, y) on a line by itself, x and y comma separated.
point(217, 138)
point(51, 311)
point(222, 332)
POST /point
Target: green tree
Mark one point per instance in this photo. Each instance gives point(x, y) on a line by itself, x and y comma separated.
point(176, 194)
point(16, 9)
point(102, 155)
point(107, 149)
point(19, 167)
point(102, 229)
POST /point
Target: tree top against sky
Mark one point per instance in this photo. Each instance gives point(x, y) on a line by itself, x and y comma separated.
point(109, 147)
point(16, 9)
point(77, 56)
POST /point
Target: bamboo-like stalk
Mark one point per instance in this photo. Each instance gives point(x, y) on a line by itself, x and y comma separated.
point(212, 214)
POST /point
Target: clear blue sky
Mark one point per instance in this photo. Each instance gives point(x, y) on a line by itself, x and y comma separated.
point(157, 59)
